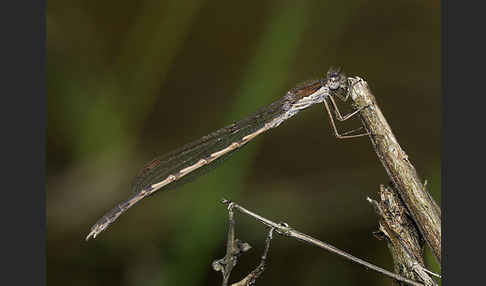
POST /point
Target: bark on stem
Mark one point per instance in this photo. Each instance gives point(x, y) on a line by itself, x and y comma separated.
point(402, 173)
point(401, 235)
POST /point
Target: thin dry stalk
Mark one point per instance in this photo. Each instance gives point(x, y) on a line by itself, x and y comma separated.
point(285, 230)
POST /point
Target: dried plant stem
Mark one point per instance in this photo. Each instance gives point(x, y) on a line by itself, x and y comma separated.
point(402, 173)
point(234, 248)
point(285, 230)
point(401, 235)
point(251, 278)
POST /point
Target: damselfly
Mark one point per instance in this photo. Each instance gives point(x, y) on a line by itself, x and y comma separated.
point(194, 158)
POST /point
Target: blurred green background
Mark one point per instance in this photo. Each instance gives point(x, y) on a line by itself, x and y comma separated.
point(130, 80)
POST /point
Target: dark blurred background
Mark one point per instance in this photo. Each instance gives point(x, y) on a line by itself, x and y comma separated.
point(130, 80)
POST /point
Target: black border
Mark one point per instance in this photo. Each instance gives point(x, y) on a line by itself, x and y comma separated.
point(23, 229)
point(463, 166)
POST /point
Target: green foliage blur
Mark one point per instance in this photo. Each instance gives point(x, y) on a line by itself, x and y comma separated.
point(129, 80)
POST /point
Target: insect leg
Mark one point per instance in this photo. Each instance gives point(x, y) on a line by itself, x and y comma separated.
point(338, 114)
point(341, 136)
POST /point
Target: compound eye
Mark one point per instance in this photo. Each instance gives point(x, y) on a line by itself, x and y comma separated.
point(333, 83)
